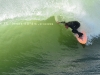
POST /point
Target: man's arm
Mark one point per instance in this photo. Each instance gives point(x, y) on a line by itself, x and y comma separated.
point(63, 22)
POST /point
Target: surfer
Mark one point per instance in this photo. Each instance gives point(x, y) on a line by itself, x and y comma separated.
point(74, 25)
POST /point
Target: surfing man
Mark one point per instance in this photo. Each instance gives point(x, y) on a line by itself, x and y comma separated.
point(74, 25)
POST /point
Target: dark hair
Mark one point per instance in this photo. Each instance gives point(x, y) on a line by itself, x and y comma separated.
point(66, 24)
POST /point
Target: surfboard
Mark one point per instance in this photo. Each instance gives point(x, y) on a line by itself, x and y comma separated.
point(83, 39)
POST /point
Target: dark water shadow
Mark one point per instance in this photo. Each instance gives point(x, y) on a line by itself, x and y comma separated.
point(83, 45)
point(86, 59)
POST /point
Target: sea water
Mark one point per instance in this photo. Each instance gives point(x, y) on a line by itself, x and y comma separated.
point(32, 43)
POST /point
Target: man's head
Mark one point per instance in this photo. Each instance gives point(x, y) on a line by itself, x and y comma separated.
point(66, 24)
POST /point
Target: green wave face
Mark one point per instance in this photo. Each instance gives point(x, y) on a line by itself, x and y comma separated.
point(32, 43)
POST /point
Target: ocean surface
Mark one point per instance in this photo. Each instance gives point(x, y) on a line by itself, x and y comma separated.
point(33, 43)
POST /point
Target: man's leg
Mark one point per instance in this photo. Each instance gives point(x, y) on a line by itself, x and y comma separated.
point(76, 32)
point(77, 25)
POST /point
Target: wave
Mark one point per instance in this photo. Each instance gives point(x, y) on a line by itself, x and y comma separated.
point(84, 11)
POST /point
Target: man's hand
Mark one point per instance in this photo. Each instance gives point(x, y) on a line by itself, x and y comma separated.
point(58, 22)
